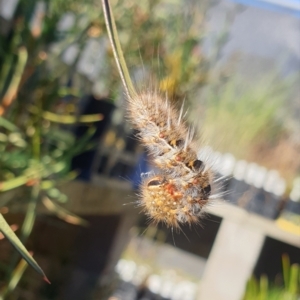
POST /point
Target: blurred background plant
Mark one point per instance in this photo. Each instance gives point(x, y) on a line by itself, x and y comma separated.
point(262, 289)
point(261, 111)
point(36, 114)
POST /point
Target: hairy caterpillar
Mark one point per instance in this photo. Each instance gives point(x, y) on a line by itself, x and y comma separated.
point(182, 187)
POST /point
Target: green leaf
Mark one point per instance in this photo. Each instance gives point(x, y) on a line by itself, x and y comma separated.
point(286, 269)
point(63, 213)
point(13, 183)
point(14, 240)
point(68, 119)
point(60, 136)
point(8, 125)
point(294, 283)
point(264, 285)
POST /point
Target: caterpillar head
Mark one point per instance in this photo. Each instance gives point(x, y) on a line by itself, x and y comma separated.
point(172, 202)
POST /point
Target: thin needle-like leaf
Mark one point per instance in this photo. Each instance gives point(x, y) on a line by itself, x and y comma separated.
point(14, 227)
point(63, 213)
point(67, 119)
point(12, 90)
point(8, 125)
point(14, 240)
point(286, 269)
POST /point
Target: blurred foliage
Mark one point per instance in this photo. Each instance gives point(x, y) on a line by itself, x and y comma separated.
point(262, 289)
point(41, 85)
point(249, 120)
point(254, 108)
point(36, 146)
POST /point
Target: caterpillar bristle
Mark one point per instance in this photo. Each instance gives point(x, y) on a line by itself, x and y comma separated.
point(180, 114)
point(183, 187)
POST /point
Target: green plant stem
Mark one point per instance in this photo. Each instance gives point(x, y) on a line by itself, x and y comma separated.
point(12, 89)
point(30, 213)
point(36, 143)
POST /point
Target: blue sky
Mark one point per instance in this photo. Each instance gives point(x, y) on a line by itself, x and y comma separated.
point(285, 6)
